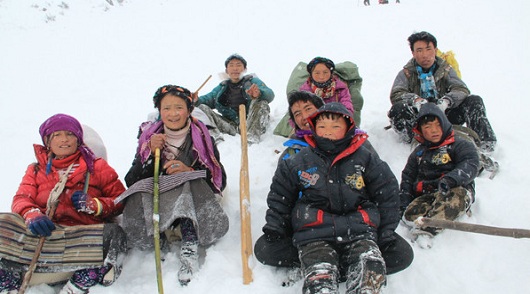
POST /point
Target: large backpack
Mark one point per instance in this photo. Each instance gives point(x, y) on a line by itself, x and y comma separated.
point(449, 57)
point(347, 71)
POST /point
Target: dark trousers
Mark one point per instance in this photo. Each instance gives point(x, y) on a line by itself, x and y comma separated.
point(471, 112)
point(282, 253)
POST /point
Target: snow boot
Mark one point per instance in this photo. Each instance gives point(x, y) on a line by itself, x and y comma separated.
point(368, 276)
point(71, 288)
point(321, 278)
point(189, 261)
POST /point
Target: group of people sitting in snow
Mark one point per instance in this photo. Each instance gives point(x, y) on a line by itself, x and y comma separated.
point(333, 205)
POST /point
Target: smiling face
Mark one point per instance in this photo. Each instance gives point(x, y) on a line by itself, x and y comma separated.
point(62, 143)
point(174, 112)
point(234, 69)
point(321, 73)
point(424, 53)
point(301, 111)
point(432, 131)
point(331, 128)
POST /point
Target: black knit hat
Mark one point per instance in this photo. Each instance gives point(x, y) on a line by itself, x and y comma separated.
point(329, 64)
point(238, 57)
point(173, 90)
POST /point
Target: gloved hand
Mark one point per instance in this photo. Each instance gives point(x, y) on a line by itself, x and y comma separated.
point(38, 223)
point(443, 104)
point(426, 186)
point(445, 186)
point(85, 203)
point(418, 103)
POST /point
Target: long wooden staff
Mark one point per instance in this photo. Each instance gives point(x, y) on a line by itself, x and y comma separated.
point(156, 226)
point(53, 202)
point(244, 199)
point(209, 77)
point(473, 228)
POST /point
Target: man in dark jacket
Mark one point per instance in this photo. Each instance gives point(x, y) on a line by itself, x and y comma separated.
point(281, 252)
point(338, 201)
point(238, 89)
point(438, 180)
point(427, 78)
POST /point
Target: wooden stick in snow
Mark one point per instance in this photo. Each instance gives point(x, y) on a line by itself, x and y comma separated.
point(244, 199)
point(473, 228)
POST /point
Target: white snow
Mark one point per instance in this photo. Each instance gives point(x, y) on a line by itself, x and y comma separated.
point(102, 64)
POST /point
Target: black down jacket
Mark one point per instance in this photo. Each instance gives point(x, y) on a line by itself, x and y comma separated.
point(453, 158)
point(345, 197)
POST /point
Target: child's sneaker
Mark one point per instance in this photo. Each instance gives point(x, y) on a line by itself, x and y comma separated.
point(71, 288)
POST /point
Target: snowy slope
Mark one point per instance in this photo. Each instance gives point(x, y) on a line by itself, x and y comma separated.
point(102, 63)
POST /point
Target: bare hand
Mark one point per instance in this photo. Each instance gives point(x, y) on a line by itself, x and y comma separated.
point(176, 166)
point(254, 91)
point(157, 141)
point(194, 97)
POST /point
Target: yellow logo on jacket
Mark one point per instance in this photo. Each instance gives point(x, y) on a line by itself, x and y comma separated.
point(355, 181)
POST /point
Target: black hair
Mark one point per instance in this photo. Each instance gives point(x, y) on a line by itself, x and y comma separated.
point(426, 119)
point(333, 116)
point(174, 90)
point(304, 96)
point(238, 57)
point(328, 62)
point(422, 36)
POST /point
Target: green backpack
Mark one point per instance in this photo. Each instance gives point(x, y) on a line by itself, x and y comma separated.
point(347, 71)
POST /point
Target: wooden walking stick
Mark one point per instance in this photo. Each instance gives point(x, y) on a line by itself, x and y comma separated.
point(53, 201)
point(244, 199)
point(209, 77)
point(473, 228)
point(156, 226)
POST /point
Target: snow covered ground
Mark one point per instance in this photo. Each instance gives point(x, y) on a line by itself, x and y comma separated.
point(102, 63)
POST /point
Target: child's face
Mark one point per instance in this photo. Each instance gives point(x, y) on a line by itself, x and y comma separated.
point(432, 131)
point(330, 128)
point(321, 73)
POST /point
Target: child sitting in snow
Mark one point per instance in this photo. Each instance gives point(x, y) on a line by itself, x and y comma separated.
point(339, 201)
point(438, 180)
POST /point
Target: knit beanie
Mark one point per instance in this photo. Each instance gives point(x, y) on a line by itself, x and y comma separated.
point(64, 122)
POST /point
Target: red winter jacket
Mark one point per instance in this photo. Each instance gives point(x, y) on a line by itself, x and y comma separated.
point(36, 186)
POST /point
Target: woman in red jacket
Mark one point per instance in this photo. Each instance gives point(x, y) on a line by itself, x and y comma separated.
point(86, 199)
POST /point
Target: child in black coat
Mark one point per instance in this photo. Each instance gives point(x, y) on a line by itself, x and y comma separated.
point(438, 180)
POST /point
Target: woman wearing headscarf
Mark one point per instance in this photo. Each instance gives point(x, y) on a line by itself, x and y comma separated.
point(191, 178)
point(68, 197)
